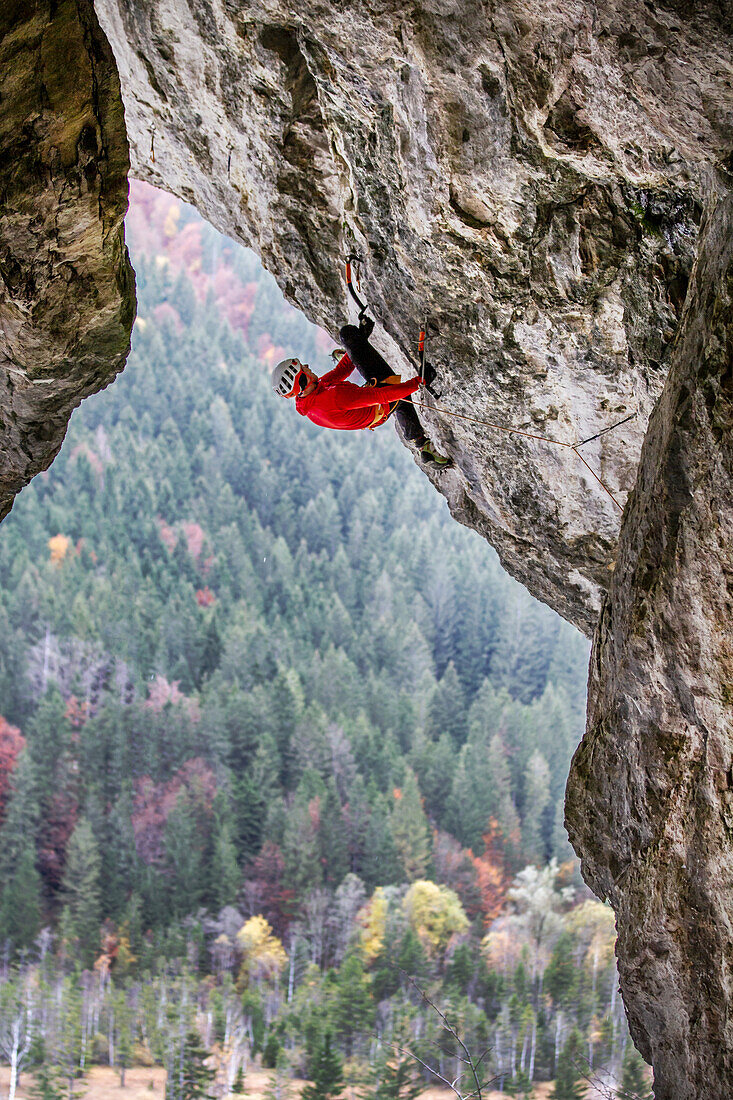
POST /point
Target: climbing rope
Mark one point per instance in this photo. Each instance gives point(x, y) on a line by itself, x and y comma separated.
point(352, 258)
point(533, 435)
point(604, 430)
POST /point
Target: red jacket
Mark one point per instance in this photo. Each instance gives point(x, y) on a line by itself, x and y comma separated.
point(336, 403)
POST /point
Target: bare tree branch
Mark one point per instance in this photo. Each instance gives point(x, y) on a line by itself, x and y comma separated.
point(468, 1060)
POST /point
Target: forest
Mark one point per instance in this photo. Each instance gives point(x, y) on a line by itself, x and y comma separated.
point(282, 748)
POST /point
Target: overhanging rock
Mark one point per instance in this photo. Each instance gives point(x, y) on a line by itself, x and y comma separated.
point(526, 173)
point(67, 298)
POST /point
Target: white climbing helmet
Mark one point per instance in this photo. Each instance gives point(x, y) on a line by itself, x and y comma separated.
point(284, 377)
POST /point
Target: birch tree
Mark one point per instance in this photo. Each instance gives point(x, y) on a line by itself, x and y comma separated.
point(17, 1023)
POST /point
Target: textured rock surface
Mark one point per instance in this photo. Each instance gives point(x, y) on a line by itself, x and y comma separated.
point(528, 172)
point(66, 286)
point(650, 795)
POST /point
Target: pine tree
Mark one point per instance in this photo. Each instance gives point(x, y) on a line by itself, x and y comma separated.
point(81, 916)
point(380, 863)
point(45, 1084)
point(278, 1087)
point(536, 798)
point(569, 1083)
point(184, 844)
point(353, 1010)
point(520, 1086)
point(250, 808)
point(561, 975)
point(22, 817)
point(634, 1080)
point(196, 1077)
point(20, 908)
point(333, 837)
point(398, 1080)
point(447, 711)
point(124, 1022)
point(410, 829)
point(327, 1073)
point(225, 875)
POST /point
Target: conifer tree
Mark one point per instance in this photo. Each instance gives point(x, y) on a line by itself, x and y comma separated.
point(397, 1079)
point(410, 829)
point(196, 1077)
point(520, 1086)
point(333, 837)
point(81, 916)
point(184, 856)
point(447, 711)
point(45, 1083)
point(225, 876)
point(536, 798)
point(22, 817)
point(124, 1031)
point(250, 807)
point(561, 975)
point(20, 904)
point(634, 1081)
point(353, 1010)
point(569, 1083)
point(278, 1087)
point(327, 1073)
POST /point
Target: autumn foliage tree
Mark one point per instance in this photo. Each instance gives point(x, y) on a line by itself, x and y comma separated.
point(492, 879)
point(11, 744)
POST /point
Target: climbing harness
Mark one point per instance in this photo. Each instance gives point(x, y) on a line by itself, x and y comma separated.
point(353, 258)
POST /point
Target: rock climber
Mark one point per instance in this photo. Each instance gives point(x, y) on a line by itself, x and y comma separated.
point(332, 402)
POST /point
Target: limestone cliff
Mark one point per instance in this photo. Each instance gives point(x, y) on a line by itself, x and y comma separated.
point(66, 285)
point(525, 172)
point(533, 176)
point(650, 795)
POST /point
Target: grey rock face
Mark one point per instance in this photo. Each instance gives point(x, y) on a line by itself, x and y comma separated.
point(66, 286)
point(530, 175)
point(650, 795)
point(527, 173)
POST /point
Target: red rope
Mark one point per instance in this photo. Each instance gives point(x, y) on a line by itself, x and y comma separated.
point(525, 435)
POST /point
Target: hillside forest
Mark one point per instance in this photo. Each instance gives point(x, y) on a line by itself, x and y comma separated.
point(282, 748)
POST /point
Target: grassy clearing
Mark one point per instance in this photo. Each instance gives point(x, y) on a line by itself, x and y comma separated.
point(103, 1083)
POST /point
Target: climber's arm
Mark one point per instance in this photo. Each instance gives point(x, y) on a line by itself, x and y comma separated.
point(360, 397)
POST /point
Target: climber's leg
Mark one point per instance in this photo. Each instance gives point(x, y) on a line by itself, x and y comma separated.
point(365, 358)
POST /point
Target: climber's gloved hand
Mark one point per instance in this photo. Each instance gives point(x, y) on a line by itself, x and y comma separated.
point(366, 326)
point(429, 373)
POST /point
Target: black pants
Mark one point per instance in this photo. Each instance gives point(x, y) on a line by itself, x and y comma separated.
point(370, 364)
